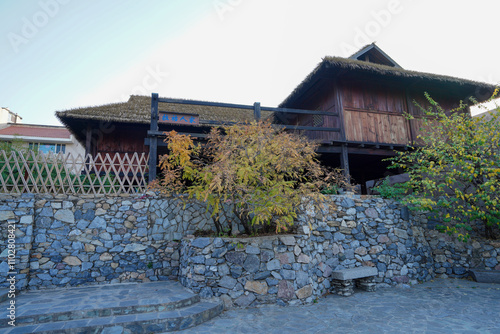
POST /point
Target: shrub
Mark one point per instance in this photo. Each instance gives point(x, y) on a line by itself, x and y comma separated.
point(455, 173)
point(392, 191)
point(261, 172)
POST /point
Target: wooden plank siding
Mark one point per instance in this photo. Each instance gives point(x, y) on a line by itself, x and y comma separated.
point(417, 123)
point(321, 100)
point(374, 127)
point(371, 113)
point(124, 139)
point(374, 113)
point(368, 112)
point(376, 97)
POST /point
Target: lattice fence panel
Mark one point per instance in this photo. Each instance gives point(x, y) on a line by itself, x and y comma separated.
point(111, 174)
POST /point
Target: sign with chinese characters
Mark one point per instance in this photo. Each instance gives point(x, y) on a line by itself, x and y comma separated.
point(175, 118)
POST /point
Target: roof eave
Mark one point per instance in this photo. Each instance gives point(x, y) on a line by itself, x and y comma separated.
point(333, 63)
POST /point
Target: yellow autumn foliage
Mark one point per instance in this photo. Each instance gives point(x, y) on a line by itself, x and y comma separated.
point(455, 172)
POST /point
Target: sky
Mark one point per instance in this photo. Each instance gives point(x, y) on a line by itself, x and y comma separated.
point(62, 54)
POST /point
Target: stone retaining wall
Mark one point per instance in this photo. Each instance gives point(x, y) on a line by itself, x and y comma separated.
point(20, 211)
point(69, 241)
point(349, 232)
point(253, 270)
point(295, 269)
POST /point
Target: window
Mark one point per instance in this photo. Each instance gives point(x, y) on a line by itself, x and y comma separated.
point(318, 121)
point(46, 148)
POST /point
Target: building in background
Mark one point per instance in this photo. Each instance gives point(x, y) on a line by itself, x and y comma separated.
point(7, 117)
point(43, 138)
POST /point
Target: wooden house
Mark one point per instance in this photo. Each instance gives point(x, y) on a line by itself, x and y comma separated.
point(367, 95)
point(353, 106)
point(123, 127)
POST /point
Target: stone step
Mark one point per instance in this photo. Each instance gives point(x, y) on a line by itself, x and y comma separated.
point(143, 306)
point(35, 316)
point(152, 322)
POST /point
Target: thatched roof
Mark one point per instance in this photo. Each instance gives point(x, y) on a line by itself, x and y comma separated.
point(332, 66)
point(138, 110)
point(375, 54)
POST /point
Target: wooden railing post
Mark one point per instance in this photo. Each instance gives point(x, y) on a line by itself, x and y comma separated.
point(256, 111)
point(153, 139)
point(344, 162)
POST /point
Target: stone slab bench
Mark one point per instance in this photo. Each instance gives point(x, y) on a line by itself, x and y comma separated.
point(485, 276)
point(343, 281)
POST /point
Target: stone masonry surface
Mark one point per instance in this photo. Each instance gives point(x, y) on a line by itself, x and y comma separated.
point(441, 306)
point(71, 241)
point(349, 232)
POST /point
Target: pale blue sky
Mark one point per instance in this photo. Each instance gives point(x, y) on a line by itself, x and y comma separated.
point(60, 54)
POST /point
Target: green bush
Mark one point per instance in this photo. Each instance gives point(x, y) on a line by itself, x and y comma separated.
point(395, 191)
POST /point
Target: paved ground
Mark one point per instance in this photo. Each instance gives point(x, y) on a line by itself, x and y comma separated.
point(441, 306)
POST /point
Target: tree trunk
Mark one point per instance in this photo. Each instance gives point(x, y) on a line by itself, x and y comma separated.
point(488, 231)
point(244, 220)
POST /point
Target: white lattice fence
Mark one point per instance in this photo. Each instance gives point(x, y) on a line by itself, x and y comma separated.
point(68, 174)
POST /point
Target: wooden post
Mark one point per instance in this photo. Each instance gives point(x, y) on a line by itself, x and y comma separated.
point(364, 190)
point(344, 156)
point(88, 140)
point(88, 146)
point(340, 109)
point(256, 111)
point(412, 139)
point(344, 162)
point(153, 139)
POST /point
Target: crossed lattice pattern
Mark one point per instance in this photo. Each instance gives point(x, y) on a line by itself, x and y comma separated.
point(31, 172)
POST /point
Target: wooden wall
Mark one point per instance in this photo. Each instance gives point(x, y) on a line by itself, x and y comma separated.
point(122, 138)
point(417, 125)
point(373, 113)
point(376, 127)
point(370, 110)
point(321, 98)
point(376, 97)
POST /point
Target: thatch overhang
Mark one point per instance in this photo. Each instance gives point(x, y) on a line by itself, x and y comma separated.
point(137, 111)
point(342, 68)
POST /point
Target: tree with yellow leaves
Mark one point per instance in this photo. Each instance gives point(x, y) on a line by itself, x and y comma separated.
point(262, 172)
point(455, 171)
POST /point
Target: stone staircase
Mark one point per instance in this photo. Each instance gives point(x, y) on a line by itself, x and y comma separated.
point(120, 308)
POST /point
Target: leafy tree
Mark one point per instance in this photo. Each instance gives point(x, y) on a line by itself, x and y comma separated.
point(262, 172)
point(455, 171)
point(15, 145)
